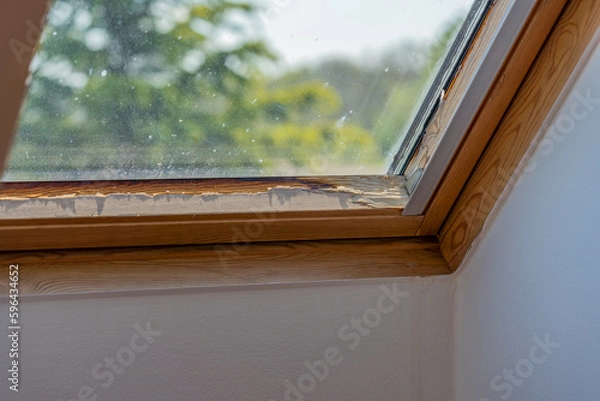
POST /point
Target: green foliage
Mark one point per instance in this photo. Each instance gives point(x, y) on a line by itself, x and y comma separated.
point(150, 86)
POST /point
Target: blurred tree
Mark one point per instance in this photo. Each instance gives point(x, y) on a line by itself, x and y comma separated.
point(155, 85)
point(163, 88)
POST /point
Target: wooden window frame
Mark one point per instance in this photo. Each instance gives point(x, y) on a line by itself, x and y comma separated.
point(363, 242)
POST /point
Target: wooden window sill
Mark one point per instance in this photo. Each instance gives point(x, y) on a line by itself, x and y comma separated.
point(193, 212)
point(127, 269)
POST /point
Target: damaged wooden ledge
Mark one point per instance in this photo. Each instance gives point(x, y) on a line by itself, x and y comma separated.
point(208, 196)
point(64, 272)
point(154, 213)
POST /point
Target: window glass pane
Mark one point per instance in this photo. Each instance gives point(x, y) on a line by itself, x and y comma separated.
point(135, 89)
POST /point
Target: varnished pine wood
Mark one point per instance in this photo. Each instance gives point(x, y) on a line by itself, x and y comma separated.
point(495, 104)
point(204, 229)
point(537, 95)
point(63, 272)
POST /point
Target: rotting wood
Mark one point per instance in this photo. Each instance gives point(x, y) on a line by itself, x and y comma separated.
point(459, 85)
point(209, 196)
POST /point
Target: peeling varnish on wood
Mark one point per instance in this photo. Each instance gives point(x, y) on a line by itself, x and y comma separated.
point(453, 95)
point(212, 196)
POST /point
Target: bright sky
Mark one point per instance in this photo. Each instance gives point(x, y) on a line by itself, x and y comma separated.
point(308, 29)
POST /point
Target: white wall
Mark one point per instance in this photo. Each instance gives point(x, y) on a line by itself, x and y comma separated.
point(240, 344)
point(536, 271)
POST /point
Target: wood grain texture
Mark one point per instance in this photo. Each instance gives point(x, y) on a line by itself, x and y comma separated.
point(527, 46)
point(63, 272)
point(519, 127)
point(20, 30)
point(106, 232)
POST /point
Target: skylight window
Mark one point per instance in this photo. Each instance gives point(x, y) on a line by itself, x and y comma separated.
point(146, 89)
